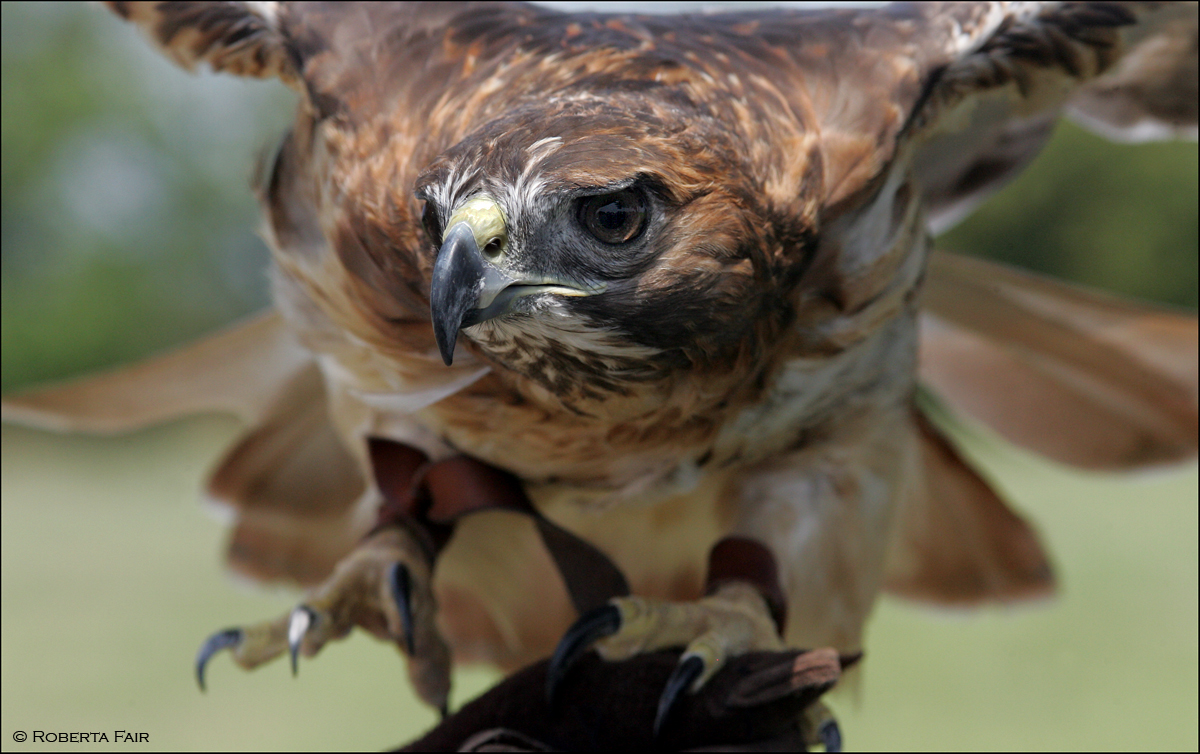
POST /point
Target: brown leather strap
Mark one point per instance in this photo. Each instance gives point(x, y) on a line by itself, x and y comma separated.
point(461, 485)
point(396, 468)
point(399, 470)
point(592, 578)
point(428, 498)
point(744, 559)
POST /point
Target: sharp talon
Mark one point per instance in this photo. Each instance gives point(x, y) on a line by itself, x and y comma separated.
point(228, 638)
point(400, 584)
point(684, 675)
point(831, 735)
point(298, 624)
point(590, 628)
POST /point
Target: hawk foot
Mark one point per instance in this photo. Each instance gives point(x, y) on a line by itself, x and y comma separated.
point(382, 586)
point(733, 620)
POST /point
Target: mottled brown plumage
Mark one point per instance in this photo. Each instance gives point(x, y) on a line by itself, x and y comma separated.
point(747, 363)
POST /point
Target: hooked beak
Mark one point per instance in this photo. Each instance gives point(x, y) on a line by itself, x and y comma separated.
point(471, 280)
point(463, 284)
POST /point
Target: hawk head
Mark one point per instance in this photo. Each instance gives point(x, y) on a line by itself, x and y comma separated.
point(618, 234)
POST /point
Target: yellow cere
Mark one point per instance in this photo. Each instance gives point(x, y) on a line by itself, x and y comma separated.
point(486, 219)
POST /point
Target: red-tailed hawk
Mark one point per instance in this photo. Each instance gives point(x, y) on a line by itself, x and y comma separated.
point(686, 256)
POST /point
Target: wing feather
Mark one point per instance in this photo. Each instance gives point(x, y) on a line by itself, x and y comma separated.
point(956, 542)
point(1078, 376)
point(1125, 70)
point(289, 480)
point(242, 38)
point(1151, 93)
point(292, 485)
point(238, 370)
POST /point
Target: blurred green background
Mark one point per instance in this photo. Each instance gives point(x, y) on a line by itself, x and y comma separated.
point(128, 226)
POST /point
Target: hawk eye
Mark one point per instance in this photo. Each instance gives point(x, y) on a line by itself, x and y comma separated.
point(614, 218)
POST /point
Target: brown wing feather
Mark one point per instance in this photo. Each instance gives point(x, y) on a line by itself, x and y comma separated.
point(955, 541)
point(238, 370)
point(289, 479)
point(1077, 376)
point(1151, 93)
point(242, 38)
point(269, 545)
point(1127, 70)
point(292, 485)
point(293, 459)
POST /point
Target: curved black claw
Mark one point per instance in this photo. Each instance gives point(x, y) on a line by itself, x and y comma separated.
point(400, 585)
point(831, 735)
point(592, 626)
point(230, 637)
point(684, 675)
point(301, 620)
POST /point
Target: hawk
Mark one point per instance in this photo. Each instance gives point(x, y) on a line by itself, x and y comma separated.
point(672, 275)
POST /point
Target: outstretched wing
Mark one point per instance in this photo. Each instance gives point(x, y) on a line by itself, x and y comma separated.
point(289, 479)
point(1077, 376)
point(237, 371)
point(1088, 380)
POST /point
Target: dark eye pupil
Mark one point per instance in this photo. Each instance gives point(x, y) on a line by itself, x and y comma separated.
point(614, 218)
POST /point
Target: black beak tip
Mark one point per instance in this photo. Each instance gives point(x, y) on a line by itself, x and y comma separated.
point(446, 346)
point(458, 275)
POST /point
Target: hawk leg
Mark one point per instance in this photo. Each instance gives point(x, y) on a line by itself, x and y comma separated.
point(382, 586)
point(742, 613)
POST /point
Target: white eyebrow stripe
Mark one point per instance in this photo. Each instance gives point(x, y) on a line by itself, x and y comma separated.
point(537, 145)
